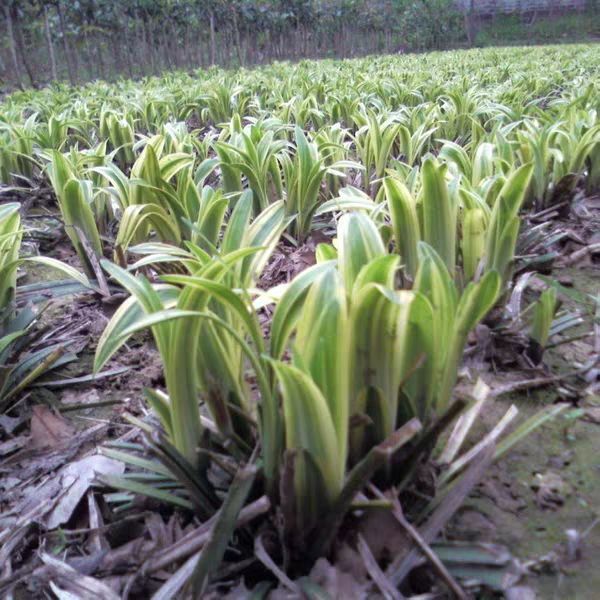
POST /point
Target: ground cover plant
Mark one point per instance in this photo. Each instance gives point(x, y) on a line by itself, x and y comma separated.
point(325, 266)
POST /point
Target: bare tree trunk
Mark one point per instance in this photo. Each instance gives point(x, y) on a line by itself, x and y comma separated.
point(13, 47)
point(127, 49)
point(305, 40)
point(116, 53)
point(165, 51)
point(91, 67)
point(173, 41)
point(138, 44)
point(49, 43)
point(213, 44)
point(63, 31)
point(249, 48)
point(150, 42)
point(203, 54)
point(199, 48)
point(18, 36)
point(470, 23)
point(266, 50)
point(99, 42)
point(236, 31)
point(187, 48)
point(226, 57)
point(75, 59)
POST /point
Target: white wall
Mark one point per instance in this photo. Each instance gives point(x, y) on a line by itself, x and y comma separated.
point(508, 6)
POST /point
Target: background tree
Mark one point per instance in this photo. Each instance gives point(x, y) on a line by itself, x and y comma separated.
point(79, 40)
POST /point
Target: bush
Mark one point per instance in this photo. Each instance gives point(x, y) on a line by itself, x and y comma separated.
point(433, 24)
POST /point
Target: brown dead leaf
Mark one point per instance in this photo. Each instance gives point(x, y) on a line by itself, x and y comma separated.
point(592, 414)
point(9, 424)
point(159, 532)
point(16, 443)
point(75, 480)
point(520, 592)
point(551, 490)
point(287, 262)
point(80, 397)
point(472, 525)
point(66, 582)
point(337, 583)
point(503, 494)
point(384, 535)
point(49, 430)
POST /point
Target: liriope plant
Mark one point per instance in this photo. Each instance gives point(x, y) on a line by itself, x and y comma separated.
point(577, 144)
point(537, 145)
point(439, 212)
point(414, 143)
point(303, 175)
point(21, 365)
point(374, 143)
point(148, 199)
point(504, 224)
point(364, 352)
point(593, 179)
point(17, 152)
point(55, 133)
point(222, 102)
point(87, 160)
point(119, 130)
point(214, 368)
point(544, 311)
point(252, 153)
point(476, 169)
point(334, 147)
point(458, 222)
point(10, 244)
point(430, 216)
point(456, 314)
point(75, 198)
point(458, 108)
point(361, 350)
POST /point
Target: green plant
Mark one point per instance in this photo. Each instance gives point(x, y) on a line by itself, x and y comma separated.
point(405, 223)
point(75, 197)
point(304, 386)
point(119, 131)
point(484, 238)
point(541, 323)
point(375, 144)
point(253, 154)
point(334, 312)
point(10, 242)
point(303, 175)
point(216, 368)
point(455, 315)
point(21, 361)
point(439, 212)
point(150, 202)
point(504, 222)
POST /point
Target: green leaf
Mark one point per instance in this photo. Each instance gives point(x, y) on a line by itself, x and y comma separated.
point(322, 348)
point(309, 427)
point(439, 213)
point(289, 307)
point(405, 223)
point(359, 242)
point(223, 528)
